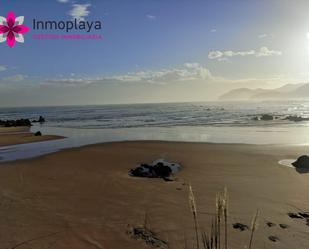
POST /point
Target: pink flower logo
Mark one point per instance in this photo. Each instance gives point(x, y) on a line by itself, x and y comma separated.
point(12, 29)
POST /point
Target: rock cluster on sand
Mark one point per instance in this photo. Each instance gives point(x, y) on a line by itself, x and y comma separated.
point(302, 162)
point(156, 169)
point(15, 123)
point(20, 122)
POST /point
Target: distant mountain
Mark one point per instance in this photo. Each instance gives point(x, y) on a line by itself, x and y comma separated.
point(286, 92)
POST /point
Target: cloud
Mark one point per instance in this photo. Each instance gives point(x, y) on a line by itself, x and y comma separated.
point(63, 1)
point(264, 51)
point(224, 55)
point(213, 30)
point(187, 72)
point(69, 82)
point(151, 17)
point(15, 78)
point(2, 68)
point(261, 36)
point(184, 73)
point(80, 11)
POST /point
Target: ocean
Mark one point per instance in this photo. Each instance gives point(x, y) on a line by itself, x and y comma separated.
point(238, 114)
point(212, 122)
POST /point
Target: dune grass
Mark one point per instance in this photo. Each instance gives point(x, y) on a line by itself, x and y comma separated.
point(217, 236)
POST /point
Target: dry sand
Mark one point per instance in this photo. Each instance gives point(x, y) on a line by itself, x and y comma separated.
point(83, 198)
point(21, 135)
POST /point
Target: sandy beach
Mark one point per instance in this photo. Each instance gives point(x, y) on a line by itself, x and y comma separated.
point(21, 135)
point(84, 198)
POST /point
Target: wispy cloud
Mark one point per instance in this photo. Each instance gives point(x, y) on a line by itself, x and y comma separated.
point(151, 17)
point(213, 30)
point(185, 73)
point(224, 55)
point(80, 11)
point(2, 68)
point(63, 1)
point(262, 36)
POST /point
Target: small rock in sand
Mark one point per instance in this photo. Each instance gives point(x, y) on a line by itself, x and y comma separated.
point(38, 134)
point(302, 162)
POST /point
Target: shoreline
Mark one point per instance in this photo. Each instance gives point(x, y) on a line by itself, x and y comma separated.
point(22, 135)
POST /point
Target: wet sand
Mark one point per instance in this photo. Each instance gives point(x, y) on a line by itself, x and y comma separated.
point(21, 135)
point(84, 198)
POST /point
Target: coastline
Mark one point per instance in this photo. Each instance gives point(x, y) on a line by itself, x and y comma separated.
point(86, 197)
point(21, 135)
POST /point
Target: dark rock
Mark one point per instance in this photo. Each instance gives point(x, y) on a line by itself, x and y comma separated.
point(267, 117)
point(240, 226)
point(302, 162)
point(273, 238)
point(283, 226)
point(161, 170)
point(157, 170)
point(15, 123)
point(255, 119)
point(270, 224)
point(296, 118)
point(41, 119)
point(38, 134)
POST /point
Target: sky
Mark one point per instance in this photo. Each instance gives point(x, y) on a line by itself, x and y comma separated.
point(154, 51)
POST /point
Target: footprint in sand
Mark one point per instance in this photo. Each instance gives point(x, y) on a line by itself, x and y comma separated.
point(284, 226)
point(270, 224)
point(273, 238)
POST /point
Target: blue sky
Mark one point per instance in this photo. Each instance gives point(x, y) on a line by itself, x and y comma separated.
point(167, 50)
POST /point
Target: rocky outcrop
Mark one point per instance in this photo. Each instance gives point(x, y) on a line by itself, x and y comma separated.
point(15, 123)
point(296, 118)
point(40, 120)
point(264, 117)
point(21, 122)
point(267, 117)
